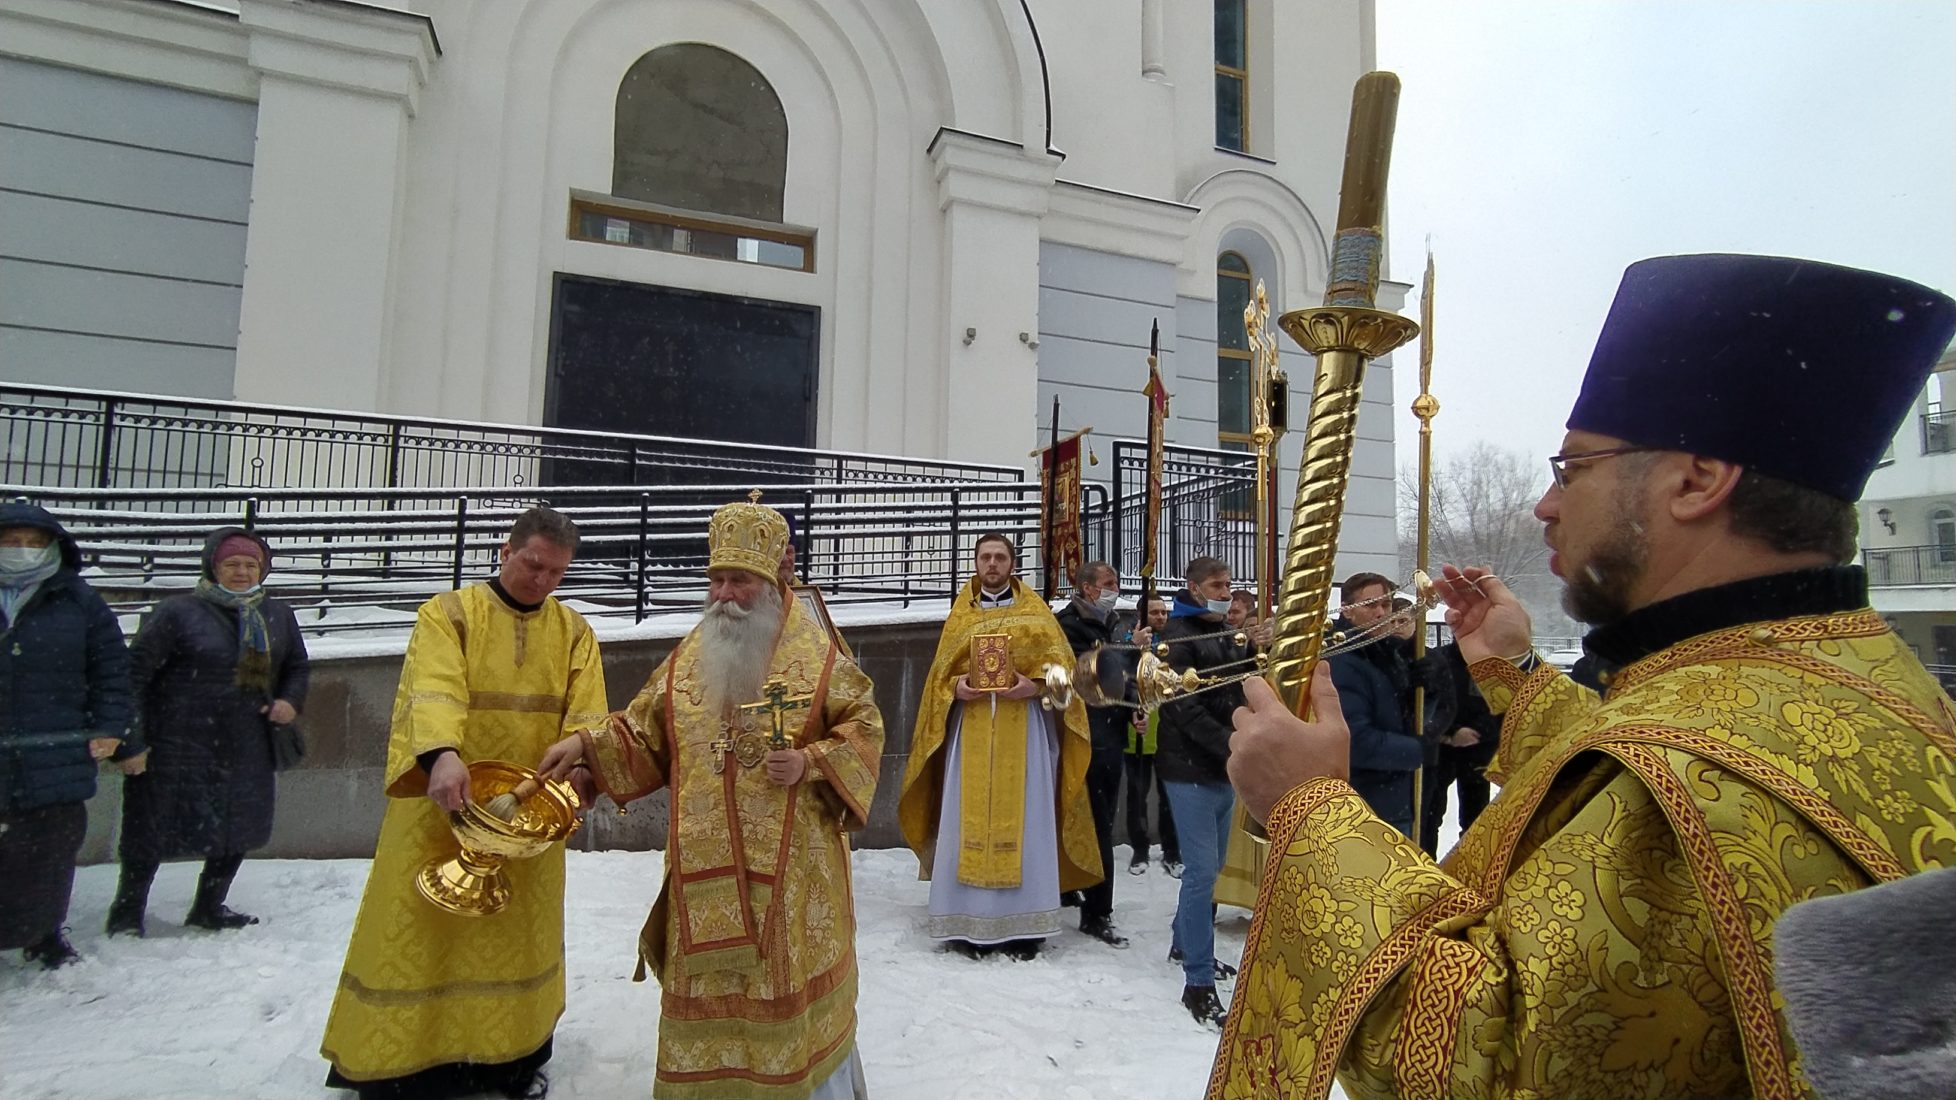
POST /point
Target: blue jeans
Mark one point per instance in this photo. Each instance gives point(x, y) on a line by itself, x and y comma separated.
point(1202, 818)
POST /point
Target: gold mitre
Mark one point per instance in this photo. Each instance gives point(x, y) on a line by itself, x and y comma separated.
point(748, 536)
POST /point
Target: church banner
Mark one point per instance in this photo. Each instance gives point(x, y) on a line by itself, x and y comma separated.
point(1059, 512)
point(1157, 417)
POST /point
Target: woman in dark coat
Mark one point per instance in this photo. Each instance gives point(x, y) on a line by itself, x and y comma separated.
point(213, 672)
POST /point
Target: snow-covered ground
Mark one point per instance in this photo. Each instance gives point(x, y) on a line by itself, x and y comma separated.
point(205, 1015)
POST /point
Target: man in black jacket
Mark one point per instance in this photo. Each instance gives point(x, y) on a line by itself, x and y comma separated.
point(1193, 757)
point(1463, 753)
point(65, 703)
point(1374, 690)
point(1088, 620)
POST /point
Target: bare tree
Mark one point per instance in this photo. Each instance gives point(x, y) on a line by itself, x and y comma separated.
point(1482, 506)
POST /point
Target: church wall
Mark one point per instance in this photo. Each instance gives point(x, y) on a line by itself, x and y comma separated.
point(432, 292)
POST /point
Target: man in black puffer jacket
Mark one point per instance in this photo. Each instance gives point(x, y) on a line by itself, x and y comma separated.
point(1088, 620)
point(65, 703)
point(1374, 691)
point(1193, 758)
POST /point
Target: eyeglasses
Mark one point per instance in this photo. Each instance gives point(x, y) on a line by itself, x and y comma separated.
point(1559, 464)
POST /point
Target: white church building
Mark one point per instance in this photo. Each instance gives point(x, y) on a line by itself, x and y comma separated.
point(888, 226)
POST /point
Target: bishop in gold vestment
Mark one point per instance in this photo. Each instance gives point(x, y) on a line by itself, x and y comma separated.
point(994, 795)
point(1606, 928)
point(493, 672)
point(753, 936)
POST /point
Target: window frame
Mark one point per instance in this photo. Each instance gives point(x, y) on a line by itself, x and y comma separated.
point(1943, 518)
point(611, 206)
point(1241, 74)
point(1227, 440)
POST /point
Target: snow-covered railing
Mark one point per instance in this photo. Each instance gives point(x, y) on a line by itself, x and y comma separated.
point(643, 547)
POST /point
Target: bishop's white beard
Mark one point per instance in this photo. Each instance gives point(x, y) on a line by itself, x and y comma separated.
point(736, 646)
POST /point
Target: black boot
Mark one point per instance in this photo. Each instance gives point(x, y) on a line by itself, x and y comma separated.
point(209, 910)
point(1020, 950)
point(1102, 929)
point(131, 902)
point(52, 951)
point(1202, 1004)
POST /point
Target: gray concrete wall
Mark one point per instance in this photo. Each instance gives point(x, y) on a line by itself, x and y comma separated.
point(330, 807)
point(1094, 312)
point(122, 231)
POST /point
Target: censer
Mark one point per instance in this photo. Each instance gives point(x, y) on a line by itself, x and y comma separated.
point(471, 883)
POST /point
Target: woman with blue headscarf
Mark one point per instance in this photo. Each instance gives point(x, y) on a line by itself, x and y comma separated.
point(215, 673)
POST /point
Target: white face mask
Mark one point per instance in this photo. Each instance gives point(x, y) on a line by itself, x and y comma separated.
point(1105, 601)
point(1219, 607)
point(20, 559)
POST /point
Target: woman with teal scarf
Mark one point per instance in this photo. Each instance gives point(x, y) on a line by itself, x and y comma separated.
point(214, 672)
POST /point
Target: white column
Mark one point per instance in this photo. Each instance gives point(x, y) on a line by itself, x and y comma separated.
point(992, 194)
point(337, 88)
point(1154, 65)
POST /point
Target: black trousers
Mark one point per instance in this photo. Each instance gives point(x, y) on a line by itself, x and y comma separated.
point(1464, 768)
point(37, 870)
point(1103, 796)
point(1141, 775)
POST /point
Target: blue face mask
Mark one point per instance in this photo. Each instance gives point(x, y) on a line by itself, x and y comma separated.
point(1105, 601)
point(23, 559)
point(1219, 607)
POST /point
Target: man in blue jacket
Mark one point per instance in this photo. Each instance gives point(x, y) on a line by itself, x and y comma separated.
point(1374, 683)
point(1193, 758)
point(65, 703)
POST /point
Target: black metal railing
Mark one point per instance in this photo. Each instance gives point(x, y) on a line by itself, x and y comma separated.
point(1207, 508)
point(50, 436)
point(1901, 565)
point(1939, 431)
point(643, 549)
point(369, 513)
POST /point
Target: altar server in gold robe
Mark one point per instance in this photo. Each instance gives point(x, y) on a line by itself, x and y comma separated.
point(995, 792)
point(430, 1003)
point(753, 936)
point(1605, 929)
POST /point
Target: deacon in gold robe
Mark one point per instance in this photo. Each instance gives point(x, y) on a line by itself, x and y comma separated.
point(1605, 929)
point(431, 1003)
point(995, 792)
point(753, 936)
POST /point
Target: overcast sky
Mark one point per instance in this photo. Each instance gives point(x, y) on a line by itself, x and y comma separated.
point(1545, 146)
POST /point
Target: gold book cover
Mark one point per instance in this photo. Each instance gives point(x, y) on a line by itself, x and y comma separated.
point(991, 662)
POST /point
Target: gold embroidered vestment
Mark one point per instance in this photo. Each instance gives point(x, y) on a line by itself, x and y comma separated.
point(1605, 928)
point(752, 938)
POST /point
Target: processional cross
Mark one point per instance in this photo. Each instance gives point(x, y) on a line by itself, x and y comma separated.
point(775, 705)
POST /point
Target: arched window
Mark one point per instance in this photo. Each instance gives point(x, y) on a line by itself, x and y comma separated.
point(1233, 371)
point(699, 129)
point(1233, 281)
point(1942, 532)
point(1232, 75)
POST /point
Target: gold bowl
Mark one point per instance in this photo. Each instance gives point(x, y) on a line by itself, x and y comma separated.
point(471, 883)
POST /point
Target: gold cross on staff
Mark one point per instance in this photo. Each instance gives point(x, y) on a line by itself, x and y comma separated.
point(776, 703)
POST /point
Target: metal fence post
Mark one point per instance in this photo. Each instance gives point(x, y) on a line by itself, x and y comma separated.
point(1117, 552)
point(644, 515)
point(393, 458)
point(804, 551)
point(461, 531)
point(251, 513)
point(105, 447)
point(951, 552)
